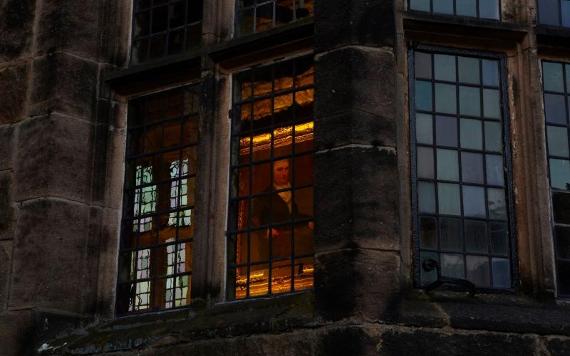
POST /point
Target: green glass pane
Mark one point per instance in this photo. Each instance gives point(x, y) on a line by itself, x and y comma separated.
point(557, 141)
point(471, 134)
point(560, 174)
point(447, 165)
point(469, 101)
point(445, 98)
point(472, 168)
point(420, 5)
point(478, 270)
point(491, 103)
point(422, 64)
point(468, 70)
point(490, 72)
point(466, 7)
point(495, 170)
point(424, 129)
point(552, 77)
point(426, 197)
point(493, 137)
point(448, 199)
point(452, 266)
point(450, 234)
point(444, 66)
point(489, 9)
point(425, 162)
point(475, 236)
point(474, 201)
point(501, 273)
point(555, 108)
point(446, 131)
point(443, 7)
point(496, 204)
point(423, 95)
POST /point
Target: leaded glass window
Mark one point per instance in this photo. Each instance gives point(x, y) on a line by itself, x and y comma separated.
point(556, 86)
point(483, 9)
point(270, 246)
point(261, 15)
point(158, 230)
point(165, 27)
point(554, 12)
point(460, 160)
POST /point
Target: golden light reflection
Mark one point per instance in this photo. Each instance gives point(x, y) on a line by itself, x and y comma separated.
point(259, 282)
point(283, 136)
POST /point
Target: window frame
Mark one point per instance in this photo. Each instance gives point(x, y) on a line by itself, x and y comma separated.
point(559, 11)
point(229, 294)
point(186, 26)
point(237, 18)
point(454, 15)
point(125, 222)
point(507, 157)
point(551, 190)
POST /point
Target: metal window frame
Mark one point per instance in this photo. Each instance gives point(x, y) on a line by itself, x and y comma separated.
point(553, 224)
point(233, 199)
point(559, 12)
point(256, 4)
point(127, 214)
point(136, 10)
point(507, 157)
point(431, 12)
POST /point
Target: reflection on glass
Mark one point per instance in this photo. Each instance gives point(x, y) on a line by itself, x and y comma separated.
point(469, 101)
point(425, 162)
point(471, 134)
point(447, 165)
point(275, 254)
point(557, 139)
point(468, 70)
point(422, 65)
point(448, 198)
point(426, 197)
point(424, 129)
point(446, 131)
point(474, 201)
point(472, 167)
point(444, 67)
point(445, 101)
point(478, 270)
point(452, 266)
point(499, 236)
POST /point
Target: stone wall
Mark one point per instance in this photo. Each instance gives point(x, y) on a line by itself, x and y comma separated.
point(62, 138)
point(52, 123)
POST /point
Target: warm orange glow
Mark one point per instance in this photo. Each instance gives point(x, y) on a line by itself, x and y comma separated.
point(259, 283)
point(283, 136)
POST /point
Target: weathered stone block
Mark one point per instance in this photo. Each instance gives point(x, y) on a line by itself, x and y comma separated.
point(17, 333)
point(348, 340)
point(558, 346)
point(13, 91)
point(341, 22)
point(16, 26)
point(358, 204)
point(421, 342)
point(356, 283)
point(115, 29)
point(356, 78)
point(66, 84)
point(51, 256)
point(70, 26)
point(6, 146)
point(6, 208)
point(5, 266)
point(54, 158)
point(354, 127)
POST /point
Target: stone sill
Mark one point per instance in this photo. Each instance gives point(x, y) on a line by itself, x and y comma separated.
point(491, 312)
point(231, 319)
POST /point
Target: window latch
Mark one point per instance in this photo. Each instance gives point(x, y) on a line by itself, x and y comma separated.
point(430, 264)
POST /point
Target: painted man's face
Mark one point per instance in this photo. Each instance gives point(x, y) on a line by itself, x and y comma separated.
point(281, 172)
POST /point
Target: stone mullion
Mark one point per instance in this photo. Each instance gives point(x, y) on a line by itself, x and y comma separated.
point(357, 238)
